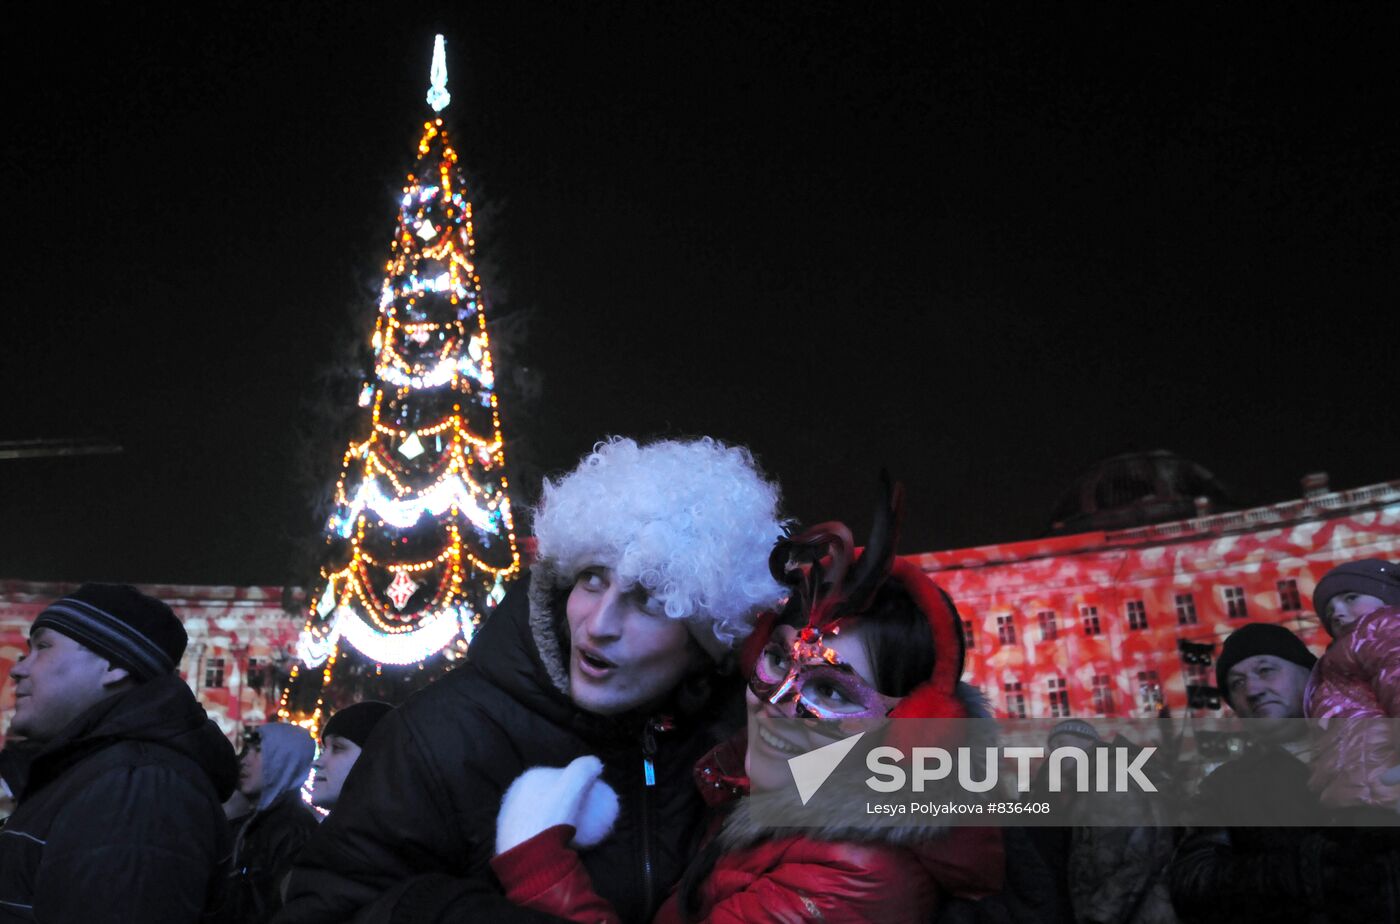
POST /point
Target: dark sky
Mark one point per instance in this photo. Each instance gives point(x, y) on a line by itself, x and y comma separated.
point(982, 247)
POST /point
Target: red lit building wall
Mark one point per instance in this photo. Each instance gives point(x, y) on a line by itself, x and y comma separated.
point(1119, 599)
point(241, 638)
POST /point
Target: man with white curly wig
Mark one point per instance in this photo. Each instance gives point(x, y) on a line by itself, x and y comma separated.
point(659, 545)
point(652, 564)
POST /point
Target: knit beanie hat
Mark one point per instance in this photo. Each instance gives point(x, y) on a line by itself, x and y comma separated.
point(1369, 576)
point(356, 721)
point(1077, 728)
point(1260, 638)
point(120, 623)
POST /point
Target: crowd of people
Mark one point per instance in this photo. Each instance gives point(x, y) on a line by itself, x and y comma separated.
point(597, 757)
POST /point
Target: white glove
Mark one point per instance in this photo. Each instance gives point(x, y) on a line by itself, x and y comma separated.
point(543, 797)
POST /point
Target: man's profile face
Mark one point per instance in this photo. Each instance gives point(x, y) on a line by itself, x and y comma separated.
point(58, 680)
point(1267, 687)
point(250, 770)
point(624, 653)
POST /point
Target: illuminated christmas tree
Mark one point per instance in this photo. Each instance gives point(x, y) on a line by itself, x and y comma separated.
point(421, 542)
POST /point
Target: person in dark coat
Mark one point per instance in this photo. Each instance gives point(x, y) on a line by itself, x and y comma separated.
point(119, 796)
point(652, 564)
point(1300, 873)
point(275, 765)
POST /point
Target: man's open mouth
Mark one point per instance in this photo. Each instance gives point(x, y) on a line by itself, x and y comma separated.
point(594, 663)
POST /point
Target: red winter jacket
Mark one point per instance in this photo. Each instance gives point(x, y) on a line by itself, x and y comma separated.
point(1354, 685)
point(784, 879)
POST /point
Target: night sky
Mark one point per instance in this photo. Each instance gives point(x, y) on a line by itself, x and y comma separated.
point(982, 248)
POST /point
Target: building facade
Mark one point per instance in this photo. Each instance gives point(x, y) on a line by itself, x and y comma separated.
point(242, 641)
point(1121, 623)
point(1128, 622)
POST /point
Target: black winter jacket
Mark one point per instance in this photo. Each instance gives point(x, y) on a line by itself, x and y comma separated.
point(119, 818)
point(1308, 875)
point(413, 836)
point(265, 845)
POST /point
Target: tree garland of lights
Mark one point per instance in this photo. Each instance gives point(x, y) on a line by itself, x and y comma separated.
point(421, 542)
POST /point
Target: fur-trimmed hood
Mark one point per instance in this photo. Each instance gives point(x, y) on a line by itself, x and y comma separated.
point(522, 648)
point(548, 593)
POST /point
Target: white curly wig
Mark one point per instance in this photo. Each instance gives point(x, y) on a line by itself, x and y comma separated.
point(691, 521)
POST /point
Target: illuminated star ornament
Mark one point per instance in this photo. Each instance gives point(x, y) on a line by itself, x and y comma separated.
point(420, 541)
point(400, 590)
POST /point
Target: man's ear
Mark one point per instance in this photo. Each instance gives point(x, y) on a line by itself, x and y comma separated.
point(114, 675)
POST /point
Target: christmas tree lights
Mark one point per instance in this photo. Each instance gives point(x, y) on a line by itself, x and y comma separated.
point(421, 541)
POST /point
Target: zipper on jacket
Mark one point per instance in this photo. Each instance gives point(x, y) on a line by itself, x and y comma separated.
point(649, 731)
point(649, 754)
point(648, 782)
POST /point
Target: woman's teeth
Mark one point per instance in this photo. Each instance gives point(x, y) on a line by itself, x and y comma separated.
point(775, 742)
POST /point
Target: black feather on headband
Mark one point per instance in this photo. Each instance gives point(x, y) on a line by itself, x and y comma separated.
point(816, 562)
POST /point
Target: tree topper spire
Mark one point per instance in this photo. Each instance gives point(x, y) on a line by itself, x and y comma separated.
point(438, 97)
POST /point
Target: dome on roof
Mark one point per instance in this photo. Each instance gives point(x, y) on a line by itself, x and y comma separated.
point(1137, 489)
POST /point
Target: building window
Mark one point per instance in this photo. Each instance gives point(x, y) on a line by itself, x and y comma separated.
point(1006, 629)
point(1200, 675)
point(969, 640)
point(1059, 697)
point(1234, 603)
point(214, 672)
point(1185, 610)
point(1015, 700)
point(1049, 631)
point(1288, 599)
point(1103, 694)
point(1137, 614)
point(1149, 692)
point(1089, 618)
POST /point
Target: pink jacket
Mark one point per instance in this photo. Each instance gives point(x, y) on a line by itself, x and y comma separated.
point(1358, 678)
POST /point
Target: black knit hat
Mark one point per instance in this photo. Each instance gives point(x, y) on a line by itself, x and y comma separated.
point(1372, 576)
point(1260, 638)
point(356, 721)
point(120, 623)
